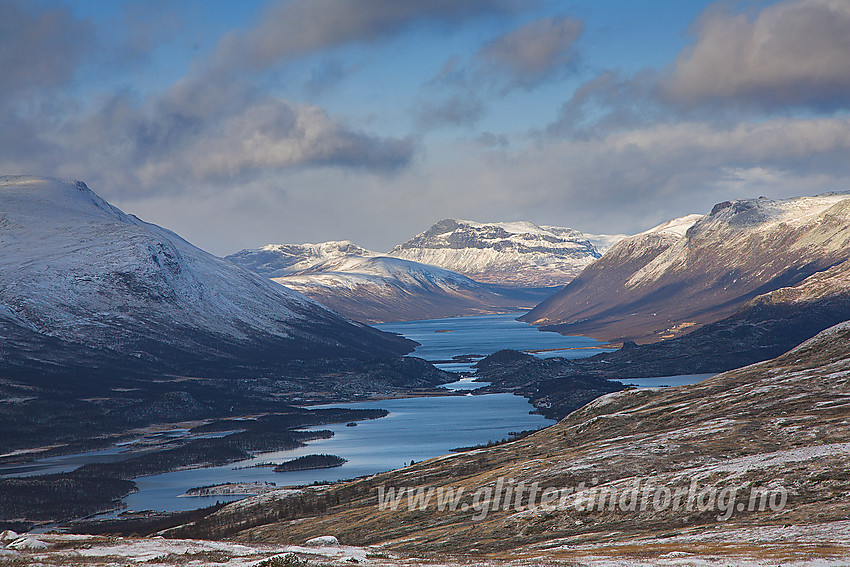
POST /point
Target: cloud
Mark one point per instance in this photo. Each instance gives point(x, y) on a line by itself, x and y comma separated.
point(296, 28)
point(524, 58)
point(622, 182)
point(533, 53)
point(39, 49)
point(608, 102)
point(663, 169)
point(459, 109)
point(792, 53)
point(527, 56)
point(192, 135)
point(205, 129)
point(145, 25)
point(326, 76)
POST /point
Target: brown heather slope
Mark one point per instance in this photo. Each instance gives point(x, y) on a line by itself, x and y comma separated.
point(681, 275)
point(781, 425)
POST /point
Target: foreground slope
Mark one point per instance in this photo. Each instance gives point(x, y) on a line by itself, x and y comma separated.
point(374, 288)
point(772, 438)
point(699, 269)
point(519, 254)
point(83, 285)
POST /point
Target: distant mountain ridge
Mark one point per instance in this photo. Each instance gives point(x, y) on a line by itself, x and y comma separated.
point(84, 285)
point(520, 254)
point(700, 269)
point(374, 288)
point(278, 260)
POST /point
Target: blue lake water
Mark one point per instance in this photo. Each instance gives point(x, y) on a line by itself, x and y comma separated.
point(442, 339)
point(416, 429)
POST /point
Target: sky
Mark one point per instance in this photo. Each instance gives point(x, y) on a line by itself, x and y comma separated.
point(239, 124)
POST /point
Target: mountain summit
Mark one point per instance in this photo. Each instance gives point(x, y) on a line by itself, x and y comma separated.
point(520, 253)
point(84, 285)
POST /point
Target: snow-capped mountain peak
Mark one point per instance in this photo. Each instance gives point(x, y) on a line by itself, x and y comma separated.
point(371, 287)
point(518, 253)
point(676, 227)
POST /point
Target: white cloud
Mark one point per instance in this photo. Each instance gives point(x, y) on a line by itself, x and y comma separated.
point(791, 53)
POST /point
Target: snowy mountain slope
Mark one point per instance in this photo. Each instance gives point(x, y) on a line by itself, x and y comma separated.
point(276, 260)
point(506, 253)
point(77, 271)
point(368, 287)
point(699, 269)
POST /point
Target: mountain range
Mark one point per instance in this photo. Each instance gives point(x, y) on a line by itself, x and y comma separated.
point(454, 268)
point(375, 288)
point(85, 286)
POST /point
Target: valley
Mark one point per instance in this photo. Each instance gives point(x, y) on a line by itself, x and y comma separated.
point(424, 283)
point(255, 403)
point(780, 425)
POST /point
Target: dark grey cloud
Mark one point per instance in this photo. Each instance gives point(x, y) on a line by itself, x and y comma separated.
point(326, 76)
point(792, 53)
point(460, 109)
point(533, 53)
point(39, 48)
point(291, 29)
point(199, 134)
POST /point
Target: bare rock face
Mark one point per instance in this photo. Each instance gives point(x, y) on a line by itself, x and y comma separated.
point(506, 253)
point(676, 277)
point(84, 285)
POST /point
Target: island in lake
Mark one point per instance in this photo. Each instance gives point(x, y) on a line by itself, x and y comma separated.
point(310, 462)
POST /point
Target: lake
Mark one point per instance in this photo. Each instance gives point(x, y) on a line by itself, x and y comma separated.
point(442, 339)
point(415, 429)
